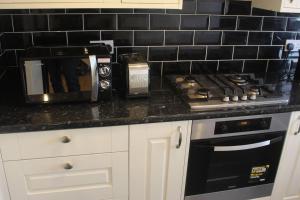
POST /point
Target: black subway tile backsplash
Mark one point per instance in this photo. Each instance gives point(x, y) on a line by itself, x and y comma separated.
point(219, 52)
point(210, 6)
point(100, 22)
point(234, 38)
point(194, 22)
point(179, 37)
point(223, 22)
point(148, 38)
point(206, 36)
point(192, 53)
point(63, 22)
point(164, 22)
point(30, 23)
point(125, 21)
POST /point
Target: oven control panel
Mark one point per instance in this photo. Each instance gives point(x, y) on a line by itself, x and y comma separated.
point(244, 125)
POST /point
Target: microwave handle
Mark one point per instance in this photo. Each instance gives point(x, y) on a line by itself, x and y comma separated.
point(95, 78)
point(247, 146)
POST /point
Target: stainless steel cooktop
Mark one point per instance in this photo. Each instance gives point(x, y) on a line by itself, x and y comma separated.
point(202, 92)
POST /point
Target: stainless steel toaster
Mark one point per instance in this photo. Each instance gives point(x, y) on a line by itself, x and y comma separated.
point(136, 75)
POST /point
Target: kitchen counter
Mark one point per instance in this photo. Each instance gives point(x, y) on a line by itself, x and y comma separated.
point(163, 105)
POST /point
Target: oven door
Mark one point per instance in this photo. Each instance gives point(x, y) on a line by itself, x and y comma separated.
point(60, 79)
point(239, 167)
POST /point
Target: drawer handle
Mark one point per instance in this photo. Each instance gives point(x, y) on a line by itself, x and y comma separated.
point(68, 166)
point(66, 139)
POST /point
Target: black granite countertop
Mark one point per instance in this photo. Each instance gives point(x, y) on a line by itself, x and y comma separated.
point(163, 105)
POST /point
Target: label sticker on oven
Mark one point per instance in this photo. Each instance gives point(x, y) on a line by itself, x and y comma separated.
point(259, 173)
point(103, 60)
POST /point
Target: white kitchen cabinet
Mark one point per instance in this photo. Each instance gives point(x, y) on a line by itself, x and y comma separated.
point(4, 194)
point(278, 5)
point(158, 159)
point(287, 183)
point(16, 4)
point(92, 177)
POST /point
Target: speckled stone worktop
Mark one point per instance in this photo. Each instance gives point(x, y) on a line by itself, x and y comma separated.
point(163, 105)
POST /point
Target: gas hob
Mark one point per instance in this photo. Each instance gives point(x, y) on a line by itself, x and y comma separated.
point(213, 91)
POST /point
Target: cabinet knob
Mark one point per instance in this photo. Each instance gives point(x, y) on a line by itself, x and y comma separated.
point(66, 139)
point(180, 138)
point(68, 166)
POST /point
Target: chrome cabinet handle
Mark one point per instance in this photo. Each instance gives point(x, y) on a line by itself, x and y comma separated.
point(180, 138)
point(68, 166)
point(66, 139)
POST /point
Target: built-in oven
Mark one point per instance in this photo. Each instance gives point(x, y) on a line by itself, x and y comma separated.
point(235, 158)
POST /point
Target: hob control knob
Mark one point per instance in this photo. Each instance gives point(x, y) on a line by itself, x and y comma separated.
point(226, 99)
point(244, 98)
point(253, 96)
point(104, 71)
point(104, 84)
point(235, 98)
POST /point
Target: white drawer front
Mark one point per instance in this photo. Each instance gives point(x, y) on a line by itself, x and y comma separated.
point(73, 142)
point(92, 177)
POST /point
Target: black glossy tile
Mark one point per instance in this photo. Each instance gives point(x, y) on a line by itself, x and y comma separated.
point(182, 68)
point(258, 67)
point(260, 38)
point(5, 23)
point(208, 37)
point(210, 6)
point(189, 7)
point(16, 40)
point(269, 52)
point(121, 38)
point(50, 39)
point(100, 22)
point(14, 11)
point(133, 22)
point(278, 66)
point(82, 37)
point(164, 22)
point(83, 11)
point(149, 10)
point(125, 50)
point(234, 38)
point(204, 67)
point(249, 23)
point(155, 68)
point(219, 52)
point(179, 37)
point(163, 53)
point(194, 22)
point(245, 52)
point(229, 67)
point(223, 22)
point(262, 12)
point(280, 38)
point(8, 59)
point(148, 38)
point(274, 24)
point(293, 24)
point(30, 23)
point(65, 22)
point(288, 14)
point(46, 11)
point(108, 10)
point(239, 8)
point(192, 53)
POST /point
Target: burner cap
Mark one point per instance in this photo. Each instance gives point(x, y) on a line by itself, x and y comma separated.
point(237, 79)
point(255, 90)
point(203, 91)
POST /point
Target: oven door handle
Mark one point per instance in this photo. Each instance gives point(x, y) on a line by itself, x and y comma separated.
point(247, 146)
point(94, 79)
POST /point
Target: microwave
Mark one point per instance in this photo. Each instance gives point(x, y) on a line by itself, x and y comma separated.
point(66, 74)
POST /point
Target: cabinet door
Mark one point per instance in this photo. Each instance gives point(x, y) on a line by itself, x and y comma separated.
point(157, 160)
point(151, 1)
point(91, 177)
point(287, 183)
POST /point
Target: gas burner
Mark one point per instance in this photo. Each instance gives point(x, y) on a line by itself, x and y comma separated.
point(238, 80)
point(187, 83)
